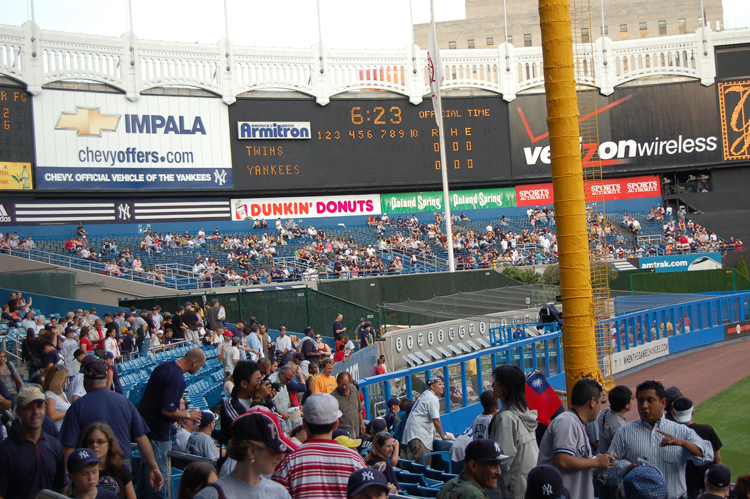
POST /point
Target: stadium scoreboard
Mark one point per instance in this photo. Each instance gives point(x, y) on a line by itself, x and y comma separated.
point(348, 144)
point(16, 132)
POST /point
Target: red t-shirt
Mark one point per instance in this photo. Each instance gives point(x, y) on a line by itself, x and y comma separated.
point(380, 370)
point(85, 343)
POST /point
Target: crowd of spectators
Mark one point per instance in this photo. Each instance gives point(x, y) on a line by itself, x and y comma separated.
point(289, 428)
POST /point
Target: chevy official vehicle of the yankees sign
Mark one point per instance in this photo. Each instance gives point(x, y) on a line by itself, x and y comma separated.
point(102, 141)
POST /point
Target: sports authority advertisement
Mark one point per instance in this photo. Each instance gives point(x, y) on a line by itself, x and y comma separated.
point(679, 263)
point(736, 330)
point(102, 141)
point(640, 128)
point(606, 190)
point(420, 202)
point(627, 359)
point(305, 207)
point(351, 145)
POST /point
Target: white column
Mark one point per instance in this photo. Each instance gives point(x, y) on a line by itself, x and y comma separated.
point(131, 67)
point(606, 73)
point(705, 63)
point(31, 59)
point(508, 69)
point(321, 78)
point(227, 79)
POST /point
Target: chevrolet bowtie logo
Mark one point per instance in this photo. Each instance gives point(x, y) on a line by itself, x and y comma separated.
point(88, 122)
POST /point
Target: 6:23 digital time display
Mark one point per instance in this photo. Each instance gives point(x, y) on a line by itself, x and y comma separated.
point(367, 143)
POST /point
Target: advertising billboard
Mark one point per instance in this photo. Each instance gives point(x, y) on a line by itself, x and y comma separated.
point(102, 141)
point(305, 207)
point(607, 190)
point(735, 119)
point(679, 263)
point(16, 139)
point(640, 128)
point(420, 202)
point(283, 144)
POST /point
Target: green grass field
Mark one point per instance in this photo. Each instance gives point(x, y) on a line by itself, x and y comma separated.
point(728, 413)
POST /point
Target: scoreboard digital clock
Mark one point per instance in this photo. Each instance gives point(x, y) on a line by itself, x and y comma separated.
point(355, 145)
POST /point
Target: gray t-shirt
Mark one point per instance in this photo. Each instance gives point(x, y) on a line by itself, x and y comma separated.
point(200, 444)
point(234, 488)
point(567, 434)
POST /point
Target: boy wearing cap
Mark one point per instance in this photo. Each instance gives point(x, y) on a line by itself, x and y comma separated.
point(75, 387)
point(481, 472)
point(30, 460)
point(321, 466)
point(566, 446)
point(200, 442)
point(231, 355)
point(682, 412)
point(718, 481)
point(545, 482)
point(367, 483)
point(83, 473)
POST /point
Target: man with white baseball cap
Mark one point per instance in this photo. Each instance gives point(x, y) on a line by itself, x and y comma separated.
point(320, 464)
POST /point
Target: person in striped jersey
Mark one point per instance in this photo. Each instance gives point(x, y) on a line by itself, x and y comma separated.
point(654, 440)
point(321, 467)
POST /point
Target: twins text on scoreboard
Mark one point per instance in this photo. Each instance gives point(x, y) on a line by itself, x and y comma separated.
point(351, 143)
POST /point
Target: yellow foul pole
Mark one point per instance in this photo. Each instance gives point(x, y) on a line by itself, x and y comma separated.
point(579, 345)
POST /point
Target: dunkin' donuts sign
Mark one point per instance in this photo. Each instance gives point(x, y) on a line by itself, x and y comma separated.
point(606, 190)
point(305, 207)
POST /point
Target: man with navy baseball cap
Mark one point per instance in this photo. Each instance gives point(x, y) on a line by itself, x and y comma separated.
point(718, 481)
point(481, 472)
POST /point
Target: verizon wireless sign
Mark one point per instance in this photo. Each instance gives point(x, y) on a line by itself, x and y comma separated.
point(607, 190)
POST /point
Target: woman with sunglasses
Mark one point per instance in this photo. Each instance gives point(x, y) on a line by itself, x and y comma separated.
point(323, 350)
point(381, 456)
point(57, 403)
point(113, 474)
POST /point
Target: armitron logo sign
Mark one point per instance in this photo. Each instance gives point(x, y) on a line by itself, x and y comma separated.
point(735, 119)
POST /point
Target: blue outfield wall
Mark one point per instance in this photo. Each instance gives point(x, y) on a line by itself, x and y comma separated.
point(69, 230)
point(59, 306)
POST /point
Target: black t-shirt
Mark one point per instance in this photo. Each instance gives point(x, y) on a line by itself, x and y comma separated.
point(163, 392)
point(177, 323)
point(191, 319)
point(694, 474)
point(115, 481)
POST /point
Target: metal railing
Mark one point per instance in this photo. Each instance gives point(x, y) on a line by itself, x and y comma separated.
point(543, 353)
point(39, 57)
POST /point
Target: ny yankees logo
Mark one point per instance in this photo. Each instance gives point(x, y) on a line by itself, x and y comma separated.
point(83, 454)
point(123, 211)
point(220, 177)
point(368, 475)
point(547, 489)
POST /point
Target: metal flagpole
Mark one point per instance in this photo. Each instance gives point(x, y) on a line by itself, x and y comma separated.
point(33, 29)
point(320, 28)
point(226, 21)
point(438, 106)
point(505, 17)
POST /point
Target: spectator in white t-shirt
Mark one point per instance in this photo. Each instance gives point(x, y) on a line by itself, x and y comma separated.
point(481, 425)
point(424, 421)
point(231, 356)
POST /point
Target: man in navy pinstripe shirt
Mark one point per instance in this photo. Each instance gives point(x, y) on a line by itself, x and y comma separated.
point(656, 441)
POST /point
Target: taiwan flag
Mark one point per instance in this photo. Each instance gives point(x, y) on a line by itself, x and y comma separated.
point(541, 396)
